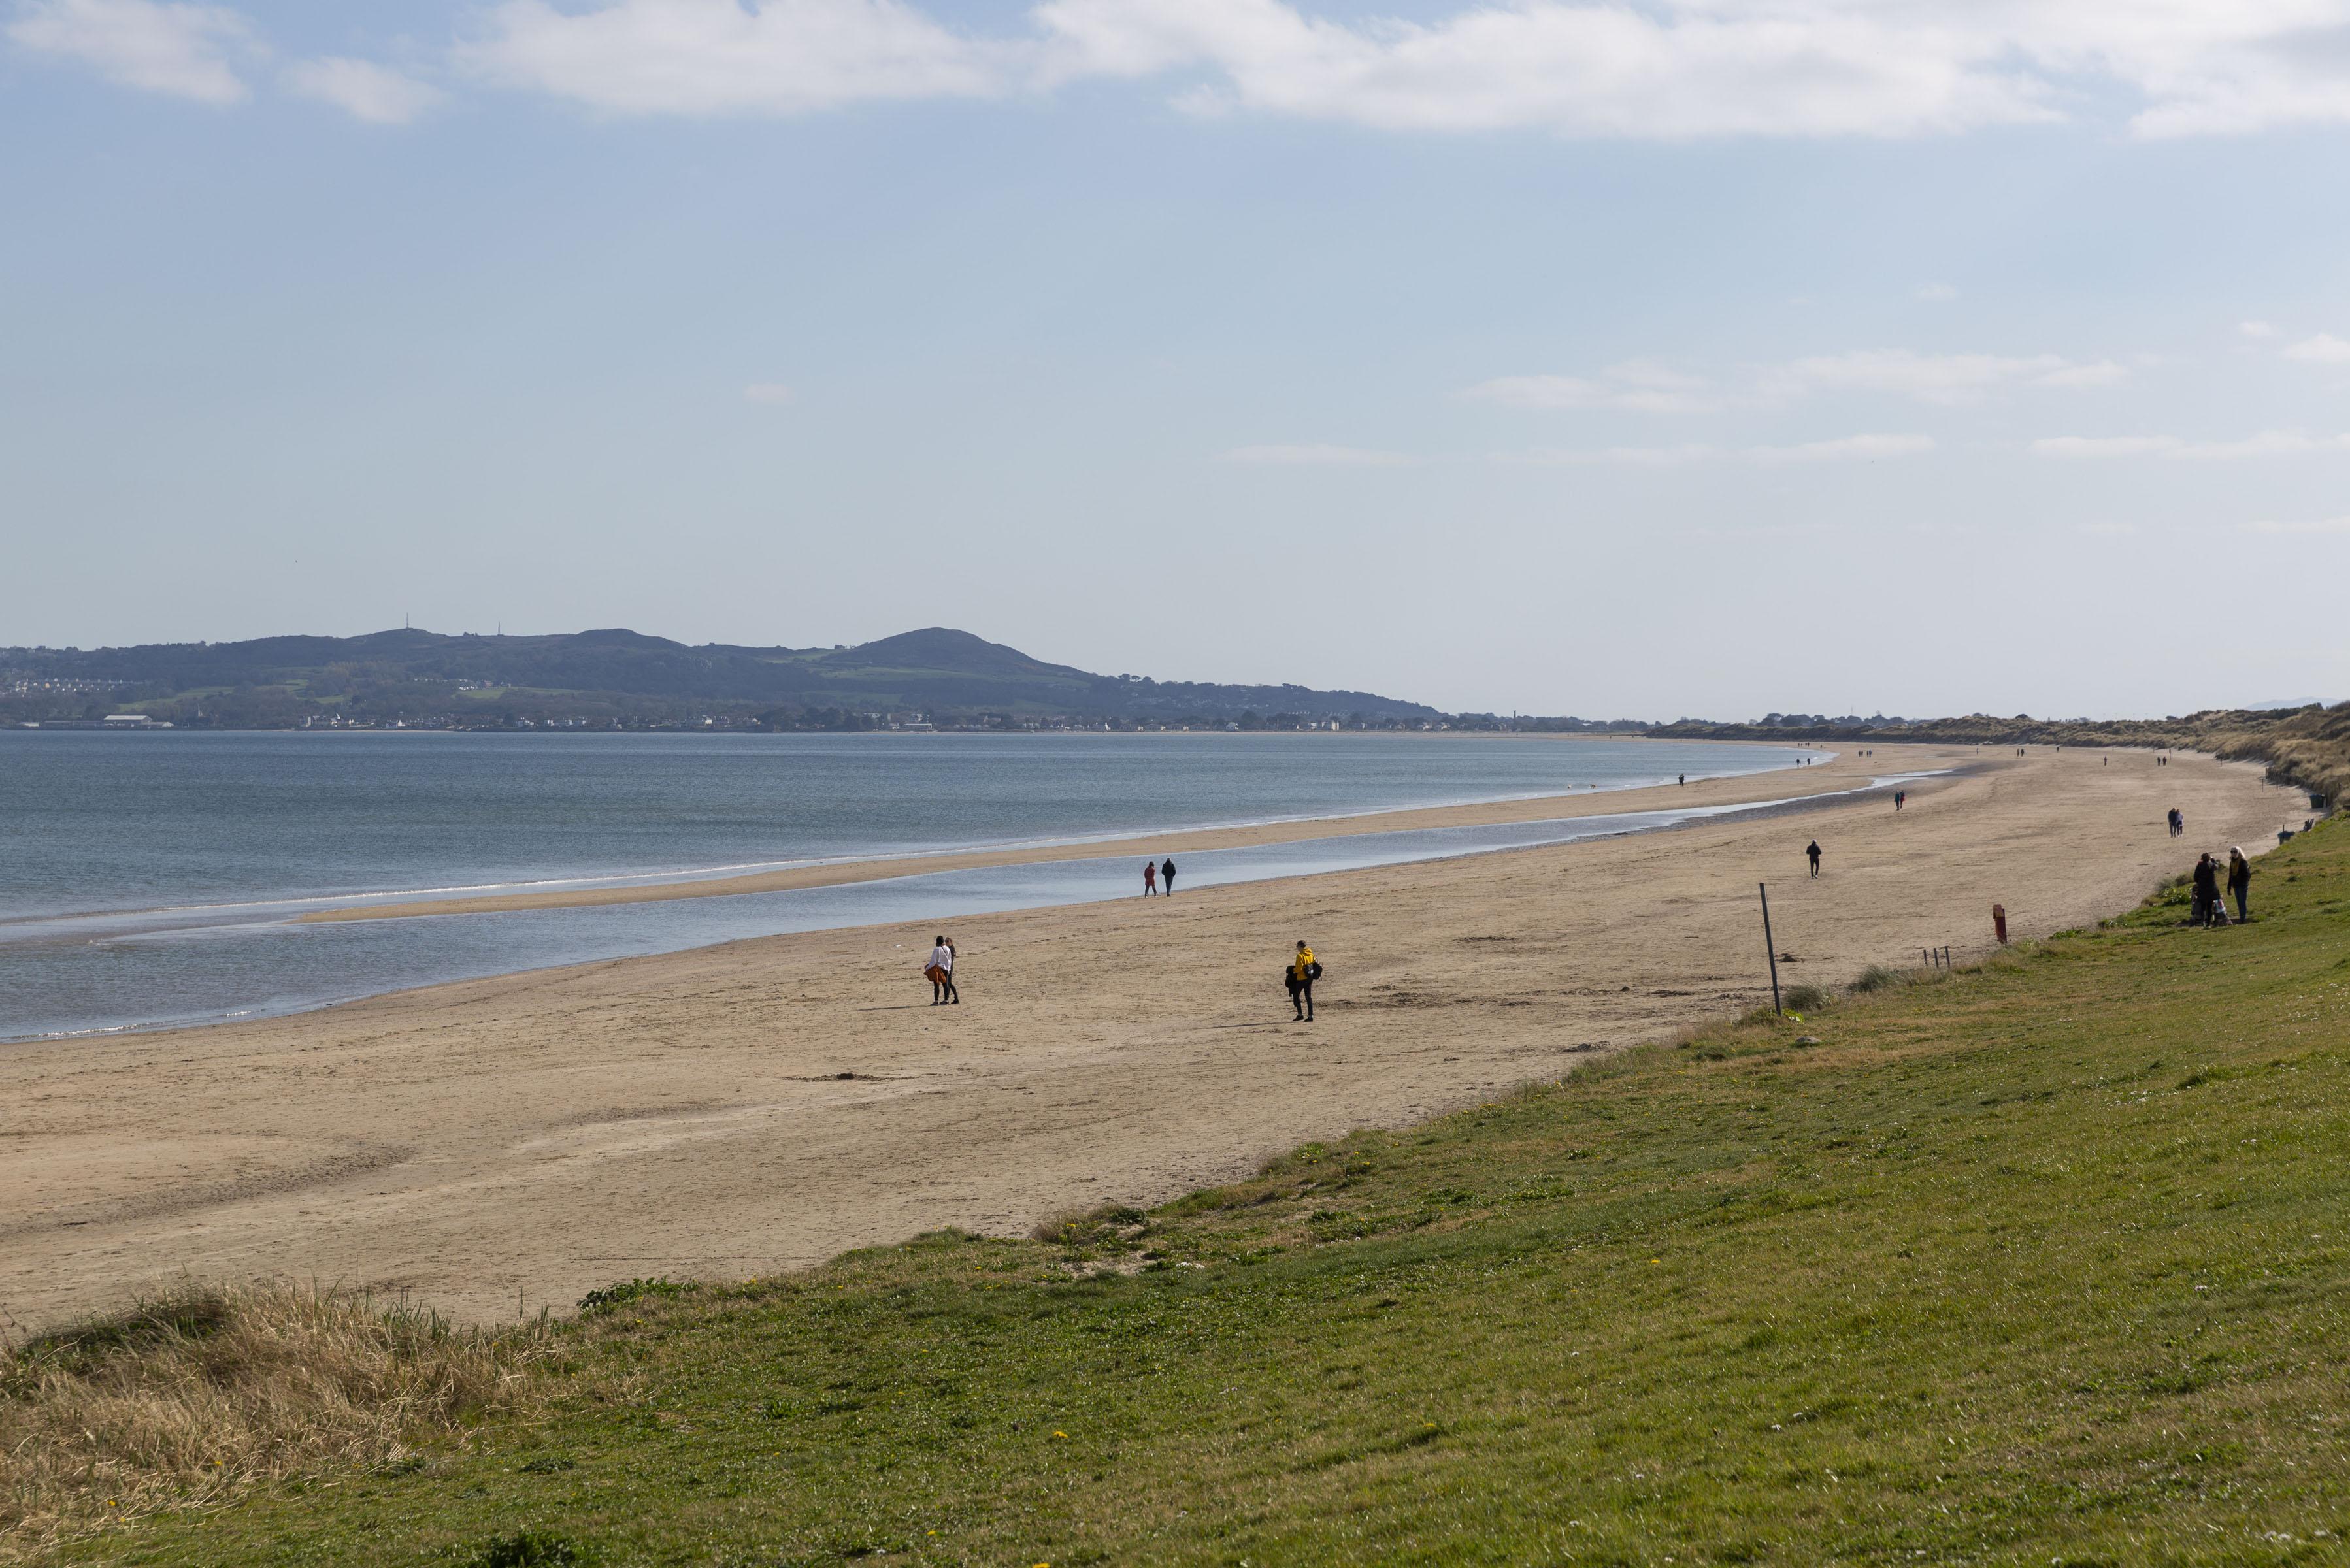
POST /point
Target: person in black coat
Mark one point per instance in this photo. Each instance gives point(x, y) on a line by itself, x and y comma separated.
point(2207, 892)
point(1812, 851)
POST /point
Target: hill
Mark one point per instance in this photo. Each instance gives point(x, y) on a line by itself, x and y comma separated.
point(615, 676)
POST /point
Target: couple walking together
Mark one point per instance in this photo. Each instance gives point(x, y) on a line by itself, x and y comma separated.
point(2209, 907)
point(1154, 878)
point(940, 971)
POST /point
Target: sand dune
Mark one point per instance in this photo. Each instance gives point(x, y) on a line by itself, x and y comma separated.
point(502, 1144)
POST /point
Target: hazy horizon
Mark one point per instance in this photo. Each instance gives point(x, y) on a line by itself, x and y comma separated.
point(1715, 357)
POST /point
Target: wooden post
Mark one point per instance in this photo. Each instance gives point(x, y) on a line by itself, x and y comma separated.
point(1770, 948)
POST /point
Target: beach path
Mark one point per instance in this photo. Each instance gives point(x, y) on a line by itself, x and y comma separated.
point(500, 1145)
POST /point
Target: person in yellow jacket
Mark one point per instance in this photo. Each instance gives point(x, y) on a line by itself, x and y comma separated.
point(1303, 972)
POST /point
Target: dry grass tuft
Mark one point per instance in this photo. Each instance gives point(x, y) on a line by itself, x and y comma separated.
point(190, 1400)
point(1804, 997)
point(1880, 976)
point(1086, 1227)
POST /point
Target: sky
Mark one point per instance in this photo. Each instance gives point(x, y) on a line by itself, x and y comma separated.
point(1695, 357)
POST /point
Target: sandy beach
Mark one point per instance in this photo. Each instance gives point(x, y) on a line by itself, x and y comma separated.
point(501, 1145)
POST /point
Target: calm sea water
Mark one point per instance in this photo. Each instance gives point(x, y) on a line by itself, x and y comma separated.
point(147, 879)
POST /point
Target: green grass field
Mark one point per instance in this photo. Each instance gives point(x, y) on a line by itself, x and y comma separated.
point(2045, 1262)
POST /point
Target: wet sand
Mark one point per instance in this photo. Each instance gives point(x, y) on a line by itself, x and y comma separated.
point(499, 1144)
point(1779, 784)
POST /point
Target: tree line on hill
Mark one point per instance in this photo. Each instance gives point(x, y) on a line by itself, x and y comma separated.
point(618, 679)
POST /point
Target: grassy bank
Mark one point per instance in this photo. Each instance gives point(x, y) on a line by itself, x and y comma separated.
point(2043, 1261)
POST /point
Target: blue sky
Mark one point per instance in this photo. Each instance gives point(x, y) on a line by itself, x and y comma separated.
point(1702, 358)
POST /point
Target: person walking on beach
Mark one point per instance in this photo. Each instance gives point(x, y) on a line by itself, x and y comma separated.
point(940, 971)
point(1683, 779)
point(1812, 851)
point(1167, 876)
point(1150, 878)
point(2240, 882)
point(1900, 799)
point(2178, 821)
point(1303, 972)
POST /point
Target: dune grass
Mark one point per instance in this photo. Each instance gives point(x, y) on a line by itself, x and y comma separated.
point(206, 1394)
point(2309, 747)
point(2042, 1262)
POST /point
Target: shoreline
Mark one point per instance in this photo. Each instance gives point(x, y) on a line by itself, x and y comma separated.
point(767, 1102)
point(1039, 897)
point(829, 873)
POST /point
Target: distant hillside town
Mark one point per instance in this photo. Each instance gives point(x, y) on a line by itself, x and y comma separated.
point(935, 678)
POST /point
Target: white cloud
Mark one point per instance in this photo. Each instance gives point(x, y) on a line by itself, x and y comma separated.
point(184, 51)
point(2255, 329)
point(2322, 349)
point(1648, 387)
point(2099, 373)
point(724, 57)
point(1937, 377)
point(1859, 448)
point(1937, 293)
point(377, 94)
point(1690, 68)
point(2102, 446)
point(1671, 69)
point(1315, 456)
point(1852, 448)
point(767, 392)
point(1623, 456)
point(2265, 443)
point(1666, 69)
point(1637, 386)
point(2318, 526)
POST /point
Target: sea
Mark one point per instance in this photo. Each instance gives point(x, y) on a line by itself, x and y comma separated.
point(152, 880)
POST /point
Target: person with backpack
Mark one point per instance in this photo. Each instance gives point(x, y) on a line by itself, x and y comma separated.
point(1167, 876)
point(1150, 878)
point(2240, 882)
point(940, 972)
point(1812, 852)
point(1302, 973)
